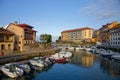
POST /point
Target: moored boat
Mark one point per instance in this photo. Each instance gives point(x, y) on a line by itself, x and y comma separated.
point(60, 60)
point(36, 62)
point(116, 57)
point(11, 70)
point(26, 68)
point(65, 54)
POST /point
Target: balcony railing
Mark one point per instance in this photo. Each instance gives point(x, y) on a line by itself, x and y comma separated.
point(6, 41)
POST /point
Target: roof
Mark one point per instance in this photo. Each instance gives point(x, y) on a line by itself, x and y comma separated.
point(24, 25)
point(78, 29)
point(117, 26)
point(5, 31)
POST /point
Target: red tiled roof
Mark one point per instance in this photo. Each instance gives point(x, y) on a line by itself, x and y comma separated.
point(5, 31)
point(78, 29)
point(24, 25)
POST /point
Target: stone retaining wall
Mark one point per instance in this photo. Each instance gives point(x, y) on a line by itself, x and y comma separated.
point(25, 56)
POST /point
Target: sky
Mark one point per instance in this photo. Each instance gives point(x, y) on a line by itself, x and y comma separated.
point(54, 16)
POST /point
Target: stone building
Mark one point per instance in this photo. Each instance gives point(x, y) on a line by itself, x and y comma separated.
point(24, 35)
point(6, 41)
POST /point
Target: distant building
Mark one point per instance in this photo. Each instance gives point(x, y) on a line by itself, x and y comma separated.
point(6, 41)
point(77, 35)
point(115, 37)
point(24, 35)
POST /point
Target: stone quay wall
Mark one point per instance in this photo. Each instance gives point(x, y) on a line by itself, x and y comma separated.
point(26, 56)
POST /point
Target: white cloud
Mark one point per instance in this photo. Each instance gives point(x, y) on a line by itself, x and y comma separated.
point(102, 9)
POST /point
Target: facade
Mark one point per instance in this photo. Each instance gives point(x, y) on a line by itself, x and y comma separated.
point(79, 34)
point(103, 34)
point(115, 37)
point(6, 42)
point(24, 35)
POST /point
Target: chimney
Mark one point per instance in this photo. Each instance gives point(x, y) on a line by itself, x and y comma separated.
point(15, 23)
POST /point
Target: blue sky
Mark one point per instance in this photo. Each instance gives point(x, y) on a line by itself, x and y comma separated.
point(54, 16)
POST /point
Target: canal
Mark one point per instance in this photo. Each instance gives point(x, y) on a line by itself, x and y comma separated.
point(82, 66)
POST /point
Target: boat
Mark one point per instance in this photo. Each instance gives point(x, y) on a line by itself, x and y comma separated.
point(36, 62)
point(26, 68)
point(107, 54)
point(48, 60)
point(65, 54)
point(11, 70)
point(60, 60)
point(116, 57)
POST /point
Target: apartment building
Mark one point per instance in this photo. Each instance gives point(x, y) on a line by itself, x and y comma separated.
point(78, 34)
point(103, 34)
point(24, 35)
point(6, 41)
point(115, 37)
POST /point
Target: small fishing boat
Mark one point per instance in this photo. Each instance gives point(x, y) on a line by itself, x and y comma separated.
point(26, 68)
point(36, 62)
point(116, 56)
point(65, 54)
point(60, 60)
point(107, 54)
point(11, 70)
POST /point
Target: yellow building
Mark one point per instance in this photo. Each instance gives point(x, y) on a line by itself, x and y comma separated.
point(6, 42)
point(24, 35)
point(64, 35)
point(79, 34)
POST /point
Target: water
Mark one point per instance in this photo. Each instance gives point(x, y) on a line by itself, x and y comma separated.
point(82, 66)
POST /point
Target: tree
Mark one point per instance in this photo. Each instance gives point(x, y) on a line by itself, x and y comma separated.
point(45, 38)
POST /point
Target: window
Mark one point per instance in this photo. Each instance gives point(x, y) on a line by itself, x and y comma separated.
point(9, 46)
point(1, 38)
point(19, 42)
point(2, 47)
point(7, 37)
point(19, 47)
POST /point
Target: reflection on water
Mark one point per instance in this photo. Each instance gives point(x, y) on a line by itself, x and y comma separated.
point(110, 67)
point(83, 65)
point(83, 58)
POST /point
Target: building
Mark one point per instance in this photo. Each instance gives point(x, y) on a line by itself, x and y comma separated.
point(103, 34)
point(24, 35)
point(6, 42)
point(115, 37)
point(80, 34)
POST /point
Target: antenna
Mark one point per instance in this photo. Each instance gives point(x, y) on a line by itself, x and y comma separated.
point(19, 21)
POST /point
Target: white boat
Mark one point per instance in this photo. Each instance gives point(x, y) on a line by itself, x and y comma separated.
point(116, 57)
point(48, 61)
point(79, 48)
point(36, 62)
point(11, 70)
point(65, 54)
point(70, 48)
point(107, 54)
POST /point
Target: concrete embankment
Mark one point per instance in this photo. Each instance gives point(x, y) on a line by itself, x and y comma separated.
point(25, 56)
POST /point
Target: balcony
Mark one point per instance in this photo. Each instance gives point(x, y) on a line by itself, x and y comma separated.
point(6, 41)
